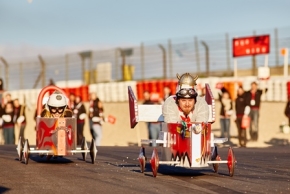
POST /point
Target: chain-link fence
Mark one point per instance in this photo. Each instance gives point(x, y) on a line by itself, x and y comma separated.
point(203, 55)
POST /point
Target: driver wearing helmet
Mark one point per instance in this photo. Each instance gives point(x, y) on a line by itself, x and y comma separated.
point(56, 106)
point(185, 105)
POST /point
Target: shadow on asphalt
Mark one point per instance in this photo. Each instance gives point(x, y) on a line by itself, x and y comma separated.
point(3, 189)
point(54, 160)
point(278, 142)
point(166, 170)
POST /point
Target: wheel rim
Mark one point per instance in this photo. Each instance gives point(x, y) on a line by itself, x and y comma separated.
point(142, 164)
point(231, 162)
point(154, 162)
point(216, 165)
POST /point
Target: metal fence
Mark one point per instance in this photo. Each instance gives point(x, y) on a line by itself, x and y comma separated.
point(150, 60)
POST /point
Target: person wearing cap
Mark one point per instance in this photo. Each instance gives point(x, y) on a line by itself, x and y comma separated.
point(185, 105)
point(56, 106)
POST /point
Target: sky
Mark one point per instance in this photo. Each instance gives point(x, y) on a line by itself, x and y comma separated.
point(31, 27)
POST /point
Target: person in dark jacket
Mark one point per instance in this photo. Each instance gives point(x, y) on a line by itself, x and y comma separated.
point(19, 117)
point(80, 114)
point(72, 99)
point(96, 117)
point(253, 100)
point(240, 105)
point(287, 110)
point(8, 124)
point(1, 89)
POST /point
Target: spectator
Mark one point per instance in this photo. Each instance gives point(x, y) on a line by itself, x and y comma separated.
point(1, 122)
point(80, 114)
point(225, 113)
point(96, 118)
point(287, 110)
point(8, 99)
point(8, 124)
point(186, 106)
point(240, 105)
point(72, 98)
point(19, 117)
point(253, 100)
point(51, 82)
point(167, 92)
point(153, 127)
point(44, 101)
point(1, 113)
point(1, 89)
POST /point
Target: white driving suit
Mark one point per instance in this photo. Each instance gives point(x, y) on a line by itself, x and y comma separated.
point(172, 114)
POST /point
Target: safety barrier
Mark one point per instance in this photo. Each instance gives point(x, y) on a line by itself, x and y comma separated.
point(278, 89)
point(155, 87)
point(82, 91)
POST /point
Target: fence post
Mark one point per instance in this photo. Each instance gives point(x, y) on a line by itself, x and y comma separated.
point(276, 47)
point(142, 60)
point(42, 70)
point(6, 72)
point(84, 55)
point(170, 58)
point(197, 54)
point(206, 57)
point(228, 52)
point(164, 61)
point(21, 76)
point(66, 70)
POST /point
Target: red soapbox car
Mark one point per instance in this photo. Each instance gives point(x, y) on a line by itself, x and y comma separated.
point(55, 137)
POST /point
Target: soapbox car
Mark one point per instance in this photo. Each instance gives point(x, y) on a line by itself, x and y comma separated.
point(55, 137)
point(184, 145)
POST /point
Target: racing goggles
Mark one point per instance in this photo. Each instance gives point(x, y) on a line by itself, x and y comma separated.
point(54, 110)
point(186, 93)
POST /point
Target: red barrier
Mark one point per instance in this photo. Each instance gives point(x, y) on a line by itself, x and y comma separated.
point(160, 87)
point(288, 89)
point(72, 91)
point(173, 85)
point(78, 91)
point(84, 92)
point(146, 86)
point(140, 90)
point(155, 87)
point(152, 87)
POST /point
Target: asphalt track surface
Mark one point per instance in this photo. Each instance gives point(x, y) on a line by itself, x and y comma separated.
point(116, 170)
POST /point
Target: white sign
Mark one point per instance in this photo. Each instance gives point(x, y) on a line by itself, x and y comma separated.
point(104, 72)
point(263, 73)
